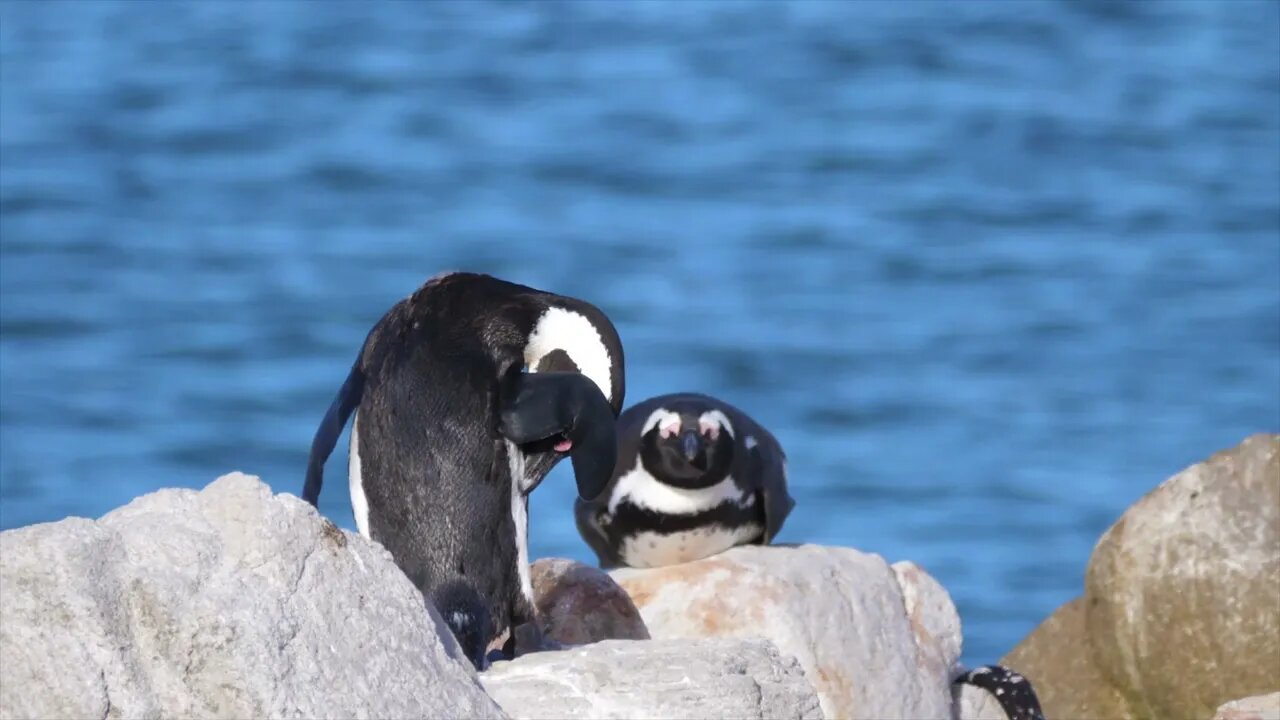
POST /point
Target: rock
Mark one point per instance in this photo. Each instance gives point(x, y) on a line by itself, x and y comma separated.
point(709, 678)
point(974, 703)
point(1182, 591)
point(1179, 612)
point(1258, 707)
point(579, 604)
point(1058, 659)
point(227, 602)
point(876, 641)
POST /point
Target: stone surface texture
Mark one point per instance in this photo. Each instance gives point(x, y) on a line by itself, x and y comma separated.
point(1258, 707)
point(228, 602)
point(707, 678)
point(1183, 592)
point(1179, 612)
point(875, 640)
point(975, 703)
point(1058, 659)
point(579, 604)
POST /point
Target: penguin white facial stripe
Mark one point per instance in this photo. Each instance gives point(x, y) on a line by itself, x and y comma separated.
point(359, 503)
point(643, 490)
point(561, 329)
point(660, 416)
point(718, 418)
point(520, 518)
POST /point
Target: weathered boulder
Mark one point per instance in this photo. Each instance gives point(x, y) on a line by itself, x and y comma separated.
point(579, 604)
point(876, 641)
point(228, 602)
point(1183, 591)
point(1258, 707)
point(1058, 656)
point(707, 678)
point(1180, 610)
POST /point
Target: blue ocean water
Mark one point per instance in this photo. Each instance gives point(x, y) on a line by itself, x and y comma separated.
point(990, 270)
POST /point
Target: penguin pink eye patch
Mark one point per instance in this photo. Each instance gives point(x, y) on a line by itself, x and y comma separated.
point(709, 428)
point(669, 428)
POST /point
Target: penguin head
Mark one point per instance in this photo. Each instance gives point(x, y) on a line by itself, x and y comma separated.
point(686, 448)
point(571, 336)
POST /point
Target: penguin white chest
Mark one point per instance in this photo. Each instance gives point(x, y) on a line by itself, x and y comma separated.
point(652, 549)
point(717, 517)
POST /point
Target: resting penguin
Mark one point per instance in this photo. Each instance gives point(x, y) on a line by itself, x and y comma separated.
point(465, 394)
point(695, 476)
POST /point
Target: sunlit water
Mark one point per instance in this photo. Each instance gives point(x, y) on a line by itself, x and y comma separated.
point(989, 271)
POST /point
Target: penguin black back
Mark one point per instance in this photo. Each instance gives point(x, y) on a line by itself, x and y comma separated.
point(465, 395)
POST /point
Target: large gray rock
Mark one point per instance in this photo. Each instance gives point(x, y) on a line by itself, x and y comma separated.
point(579, 604)
point(877, 641)
point(711, 678)
point(1058, 657)
point(227, 602)
point(1179, 612)
point(1183, 592)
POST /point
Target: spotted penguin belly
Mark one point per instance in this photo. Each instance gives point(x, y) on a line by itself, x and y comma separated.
point(646, 548)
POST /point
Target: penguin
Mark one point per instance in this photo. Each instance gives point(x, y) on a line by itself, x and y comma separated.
point(462, 398)
point(695, 476)
point(1012, 691)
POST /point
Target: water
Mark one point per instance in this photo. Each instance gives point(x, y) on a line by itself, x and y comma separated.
point(990, 271)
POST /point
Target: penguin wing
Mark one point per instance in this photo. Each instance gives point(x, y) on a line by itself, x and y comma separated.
point(586, 516)
point(335, 419)
point(770, 466)
point(345, 403)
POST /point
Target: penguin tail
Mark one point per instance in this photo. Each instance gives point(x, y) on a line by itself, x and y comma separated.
point(347, 400)
point(1011, 690)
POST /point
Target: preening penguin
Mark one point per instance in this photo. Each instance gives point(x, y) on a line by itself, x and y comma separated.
point(694, 477)
point(465, 395)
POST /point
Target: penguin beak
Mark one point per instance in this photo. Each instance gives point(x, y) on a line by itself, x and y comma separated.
point(543, 405)
point(595, 443)
point(690, 444)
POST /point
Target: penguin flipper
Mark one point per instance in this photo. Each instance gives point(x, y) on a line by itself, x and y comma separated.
point(331, 426)
point(586, 516)
point(772, 480)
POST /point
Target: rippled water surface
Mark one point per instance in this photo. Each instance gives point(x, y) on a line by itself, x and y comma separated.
point(991, 271)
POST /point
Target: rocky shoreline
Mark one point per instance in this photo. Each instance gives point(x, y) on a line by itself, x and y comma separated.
point(233, 601)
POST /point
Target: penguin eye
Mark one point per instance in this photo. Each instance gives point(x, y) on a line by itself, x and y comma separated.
point(710, 430)
point(669, 429)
